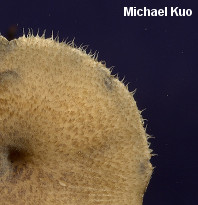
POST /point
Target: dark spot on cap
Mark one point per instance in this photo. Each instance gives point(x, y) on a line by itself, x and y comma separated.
point(8, 78)
point(16, 155)
point(108, 83)
point(8, 75)
point(142, 168)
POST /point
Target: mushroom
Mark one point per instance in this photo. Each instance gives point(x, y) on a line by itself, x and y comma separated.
point(70, 131)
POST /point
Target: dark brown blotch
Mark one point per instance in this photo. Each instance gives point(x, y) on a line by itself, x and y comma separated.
point(16, 155)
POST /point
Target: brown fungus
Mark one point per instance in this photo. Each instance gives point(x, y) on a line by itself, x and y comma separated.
point(70, 132)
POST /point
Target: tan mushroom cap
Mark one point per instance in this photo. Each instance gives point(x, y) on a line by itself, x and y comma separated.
point(70, 132)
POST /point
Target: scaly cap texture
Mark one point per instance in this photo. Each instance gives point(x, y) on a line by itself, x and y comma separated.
point(70, 132)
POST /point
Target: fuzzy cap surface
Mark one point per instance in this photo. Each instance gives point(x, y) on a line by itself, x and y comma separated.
point(70, 132)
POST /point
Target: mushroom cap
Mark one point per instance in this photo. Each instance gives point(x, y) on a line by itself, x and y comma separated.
point(70, 132)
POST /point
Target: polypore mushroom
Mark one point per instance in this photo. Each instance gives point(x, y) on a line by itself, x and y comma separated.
point(70, 132)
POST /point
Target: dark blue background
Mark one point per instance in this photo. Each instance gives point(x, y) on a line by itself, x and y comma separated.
point(157, 55)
